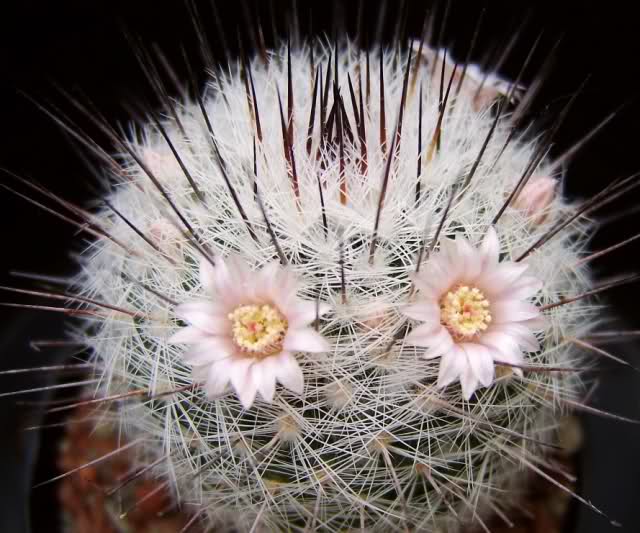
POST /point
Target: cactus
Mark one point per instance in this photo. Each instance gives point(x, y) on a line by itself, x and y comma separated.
point(339, 289)
point(358, 198)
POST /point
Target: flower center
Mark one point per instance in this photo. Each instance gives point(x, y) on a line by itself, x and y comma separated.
point(258, 330)
point(465, 311)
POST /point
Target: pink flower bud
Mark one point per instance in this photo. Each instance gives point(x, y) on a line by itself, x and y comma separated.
point(535, 198)
point(162, 165)
point(481, 88)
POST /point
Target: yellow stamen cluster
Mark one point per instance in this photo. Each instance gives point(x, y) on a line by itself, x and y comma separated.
point(465, 311)
point(258, 330)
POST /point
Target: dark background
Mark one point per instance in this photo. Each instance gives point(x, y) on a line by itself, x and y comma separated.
point(79, 46)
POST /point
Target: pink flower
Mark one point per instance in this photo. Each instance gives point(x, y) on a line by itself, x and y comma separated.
point(248, 329)
point(535, 197)
point(474, 312)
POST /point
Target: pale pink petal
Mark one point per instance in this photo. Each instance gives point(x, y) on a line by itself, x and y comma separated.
point(281, 288)
point(525, 287)
point(267, 282)
point(438, 263)
point(427, 311)
point(269, 273)
point(429, 284)
point(535, 324)
point(439, 273)
point(290, 373)
point(241, 381)
point(512, 311)
point(439, 343)
point(217, 380)
point(208, 351)
point(511, 359)
point(452, 365)
point(423, 335)
point(501, 277)
point(449, 250)
point(207, 275)
point(207, 316)
point(197, 357)
point(188, 335)
point(522, 334)
point(468, 382)
point(503, 347)
point(519, 289)
point(463, 250)
point(499, 340)
point(223, 276)
point(490, 249)
point(200, 373)
point(194, 306)
point(248, 395)
point(231, 276)
point(303, 312)
point(305, 340)
point(481, 362)
point(263, 374)
point(449, 262)
point(469, 259)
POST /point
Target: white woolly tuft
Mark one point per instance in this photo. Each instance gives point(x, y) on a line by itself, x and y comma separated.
point(371, 442)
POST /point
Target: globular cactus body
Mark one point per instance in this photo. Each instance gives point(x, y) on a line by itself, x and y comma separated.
point(360, 194)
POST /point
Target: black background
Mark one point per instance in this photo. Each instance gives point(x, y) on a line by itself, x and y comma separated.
point(79, 46)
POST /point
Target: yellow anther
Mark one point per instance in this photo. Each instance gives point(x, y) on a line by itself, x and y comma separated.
point(258, 330)
point(465, 311)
